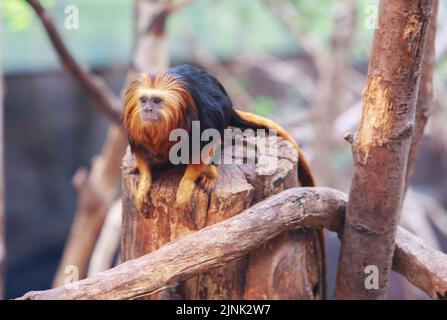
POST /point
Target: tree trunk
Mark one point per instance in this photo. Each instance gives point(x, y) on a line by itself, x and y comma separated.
point(287, 267)
point(381, 148)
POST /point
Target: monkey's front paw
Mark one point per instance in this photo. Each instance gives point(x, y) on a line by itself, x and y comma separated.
point(207, 182)
point(143, 204)
point(182, 203)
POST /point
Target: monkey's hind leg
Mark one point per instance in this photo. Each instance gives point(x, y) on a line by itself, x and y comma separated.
point(142, 196)
point(205, 174)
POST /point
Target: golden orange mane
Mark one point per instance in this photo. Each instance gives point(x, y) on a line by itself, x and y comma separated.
point(178, 103)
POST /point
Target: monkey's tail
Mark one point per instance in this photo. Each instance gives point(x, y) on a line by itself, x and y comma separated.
point(243, 120)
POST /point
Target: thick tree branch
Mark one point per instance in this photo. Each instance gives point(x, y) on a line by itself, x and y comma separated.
point(381, 147)
point(231, 239)
point(95, 87)
point(420, 264)
point(210, 247)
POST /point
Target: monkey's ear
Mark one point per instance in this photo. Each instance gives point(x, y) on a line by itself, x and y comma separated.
point(135, 83)
point(130, 91)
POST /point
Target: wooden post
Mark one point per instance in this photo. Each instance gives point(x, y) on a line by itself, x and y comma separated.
point(287, 267)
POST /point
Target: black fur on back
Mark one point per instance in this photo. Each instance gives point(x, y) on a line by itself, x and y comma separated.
point(214, 106)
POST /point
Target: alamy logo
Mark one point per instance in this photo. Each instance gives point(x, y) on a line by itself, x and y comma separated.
point(239, 146)
point(71, 21)
point(72, 276)
point(372, 13)
point(372, 280)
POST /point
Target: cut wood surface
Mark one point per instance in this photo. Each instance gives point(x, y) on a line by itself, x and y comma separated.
point(287, 267)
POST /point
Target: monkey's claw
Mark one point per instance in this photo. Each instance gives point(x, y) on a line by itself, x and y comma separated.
point(182, 204)
point(143, 204)
point(207, 183)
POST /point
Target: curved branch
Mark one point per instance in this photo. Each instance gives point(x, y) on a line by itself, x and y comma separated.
point(231, 239)
point(208, 248)
point(99, 92)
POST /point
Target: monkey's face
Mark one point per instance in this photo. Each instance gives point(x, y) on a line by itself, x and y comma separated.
point(155, 105)
point(150, 105)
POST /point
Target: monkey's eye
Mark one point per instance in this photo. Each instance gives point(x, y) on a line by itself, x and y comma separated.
point(144, 100)
point(156, 100)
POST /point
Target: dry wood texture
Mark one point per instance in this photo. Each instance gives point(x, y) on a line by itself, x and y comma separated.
point(287, 267)
point(422, 265)
point(382, 145)
point(229, 240)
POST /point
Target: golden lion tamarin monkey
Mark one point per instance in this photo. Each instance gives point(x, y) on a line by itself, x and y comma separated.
point(157, 104)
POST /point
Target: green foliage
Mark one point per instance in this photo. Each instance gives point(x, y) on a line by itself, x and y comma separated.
point(227, 28)
point(18, 14)
point(263, 106)
point(314, 17)
point(102, 40)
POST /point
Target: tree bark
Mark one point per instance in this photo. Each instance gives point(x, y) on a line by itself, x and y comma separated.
point(423, 266)
point(229, 240)
point(287, 267)
point(381, 147)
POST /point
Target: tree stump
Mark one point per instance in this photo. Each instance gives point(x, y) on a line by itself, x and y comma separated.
point(287, 267)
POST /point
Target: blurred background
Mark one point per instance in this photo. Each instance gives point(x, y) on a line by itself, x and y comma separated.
point(301, 63)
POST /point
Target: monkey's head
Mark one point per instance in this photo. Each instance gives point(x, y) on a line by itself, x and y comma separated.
point(157, 104)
